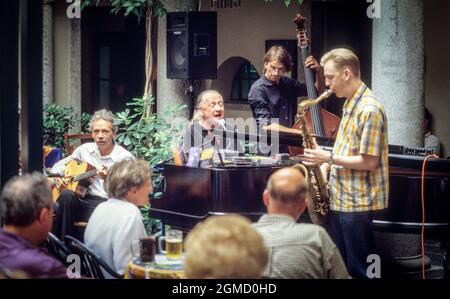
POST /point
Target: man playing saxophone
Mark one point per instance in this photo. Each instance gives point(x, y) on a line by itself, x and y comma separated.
point(358, 164)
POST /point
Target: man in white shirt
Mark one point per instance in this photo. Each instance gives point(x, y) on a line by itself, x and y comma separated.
point(101, 154)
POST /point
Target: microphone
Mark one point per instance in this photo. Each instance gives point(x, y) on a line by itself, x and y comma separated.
point(222, 126)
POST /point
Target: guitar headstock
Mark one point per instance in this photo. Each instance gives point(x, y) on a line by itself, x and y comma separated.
point(302, 37)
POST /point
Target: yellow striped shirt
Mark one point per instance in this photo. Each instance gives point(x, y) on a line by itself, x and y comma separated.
point(363, 130)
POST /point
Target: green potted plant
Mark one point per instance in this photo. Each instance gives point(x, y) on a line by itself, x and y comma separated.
point(59, 120)
point(148, 136)
point(151, 138)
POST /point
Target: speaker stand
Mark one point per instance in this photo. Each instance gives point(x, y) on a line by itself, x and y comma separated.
point(191, 98)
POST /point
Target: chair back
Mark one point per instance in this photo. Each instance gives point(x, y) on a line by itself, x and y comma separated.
point(57, 248)
point(83, 137)
point(91, 263)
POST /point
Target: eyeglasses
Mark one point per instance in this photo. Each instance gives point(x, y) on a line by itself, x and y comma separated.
point(274, 69)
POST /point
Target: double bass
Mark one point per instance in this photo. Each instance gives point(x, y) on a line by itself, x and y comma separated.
point(319, 121)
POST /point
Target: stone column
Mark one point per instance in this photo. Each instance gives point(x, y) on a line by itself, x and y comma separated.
point(398, 68)
point(398, 81)
point(75, 65)
point(47, 52)
point(169, 91)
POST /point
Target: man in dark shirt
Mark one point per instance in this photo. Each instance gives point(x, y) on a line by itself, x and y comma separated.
point(27, 211)
point(274, 95)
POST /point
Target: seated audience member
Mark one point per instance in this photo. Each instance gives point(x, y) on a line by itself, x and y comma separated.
point(209, 115)
point(296, 250)
point(27, 212)
point(430, 141)
point(101, 154)
point(116, 223)
point(224, 247)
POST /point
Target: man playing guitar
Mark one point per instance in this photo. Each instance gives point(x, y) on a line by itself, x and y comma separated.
point(101, 154)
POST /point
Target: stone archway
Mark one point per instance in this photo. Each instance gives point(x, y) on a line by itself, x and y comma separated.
point(225, 75)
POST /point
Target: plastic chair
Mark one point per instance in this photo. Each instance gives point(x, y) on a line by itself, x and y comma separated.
point(91, 263)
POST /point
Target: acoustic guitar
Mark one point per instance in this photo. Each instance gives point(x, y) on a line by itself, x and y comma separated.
point(77, 173)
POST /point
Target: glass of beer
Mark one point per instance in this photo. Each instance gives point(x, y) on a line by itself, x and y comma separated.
point(174, 244)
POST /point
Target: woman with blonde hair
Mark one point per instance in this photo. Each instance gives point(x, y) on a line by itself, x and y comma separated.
point(224, 247)
point(116, 223)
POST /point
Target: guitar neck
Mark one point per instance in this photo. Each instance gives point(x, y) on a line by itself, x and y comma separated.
point(85, 175)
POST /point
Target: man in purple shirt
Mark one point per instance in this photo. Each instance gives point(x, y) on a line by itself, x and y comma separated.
point(27, 212)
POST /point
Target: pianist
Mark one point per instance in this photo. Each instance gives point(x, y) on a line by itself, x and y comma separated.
point(208, 116)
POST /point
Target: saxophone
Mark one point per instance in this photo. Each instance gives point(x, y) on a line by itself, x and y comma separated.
point(319, 206)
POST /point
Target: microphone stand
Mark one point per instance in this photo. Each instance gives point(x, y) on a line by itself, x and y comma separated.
point(216, 145)
point(191, 98)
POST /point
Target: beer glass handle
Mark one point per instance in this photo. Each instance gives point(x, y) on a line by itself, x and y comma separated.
point(160, 245)
point(135, 248)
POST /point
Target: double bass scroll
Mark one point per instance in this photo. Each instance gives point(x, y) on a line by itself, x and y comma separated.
point(318, 120)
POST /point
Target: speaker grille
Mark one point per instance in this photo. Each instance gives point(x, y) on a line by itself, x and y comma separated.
point(192, 45)
point(178, 52)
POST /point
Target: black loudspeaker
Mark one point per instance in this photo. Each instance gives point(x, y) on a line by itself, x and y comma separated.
point(291, 46)
point(192, 45)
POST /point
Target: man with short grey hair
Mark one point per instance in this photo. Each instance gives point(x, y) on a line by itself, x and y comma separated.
point(27, 211)
point(296, 250)
point(101, 154)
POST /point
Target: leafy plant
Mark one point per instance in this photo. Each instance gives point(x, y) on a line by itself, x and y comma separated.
point(152, 225)
point(287, 2)
point(148, 136)
point(59, 120)
point(151, 138)
point(136, 7)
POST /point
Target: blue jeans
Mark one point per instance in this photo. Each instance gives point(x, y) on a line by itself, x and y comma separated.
point(352, 233)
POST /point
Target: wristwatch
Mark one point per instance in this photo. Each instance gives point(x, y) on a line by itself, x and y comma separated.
point(331, 159)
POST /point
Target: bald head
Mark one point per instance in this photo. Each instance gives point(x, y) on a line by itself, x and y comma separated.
point(287, 185)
